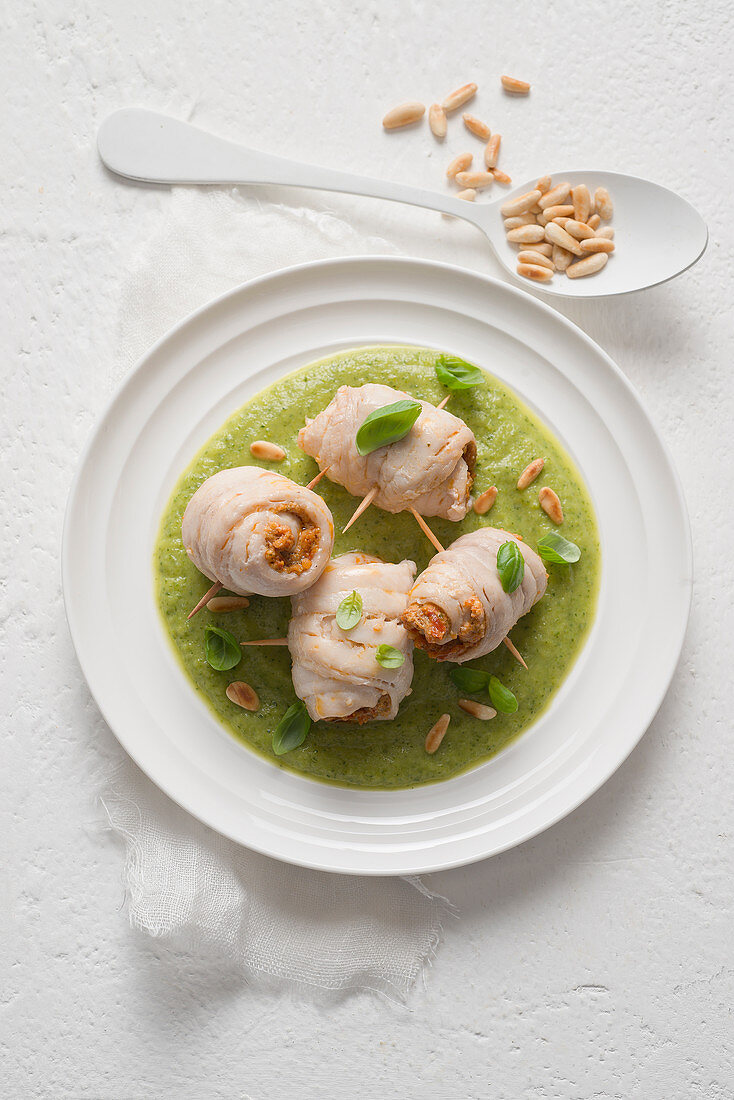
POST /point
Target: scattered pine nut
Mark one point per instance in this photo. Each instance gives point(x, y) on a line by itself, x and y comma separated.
point(270, 452)
point(578, 230)
point(437, 121)
point(220, 604)
point(603, 204)
point(520, 219)
point(556, 235)
point(526, 234)
point(517, 87)
point(607, 232)
point(492, 150)
point(458, 98)
point(597, 244)
point(530, 473)
point(243, 695)
point(501, 176)
point(588, 266)
point(469, 194)
point(593, 222)
point(562, 210)
point(581, 202)
point(543, 184)
point(459, 164)
point(477, 127)
point(534, 271)
point(485, 501)
point(530, 256)
point(555, 196)
point(520, 205)
point(477, 710)
point(561, 257)
point(478, 180)
point(437, 732)
point(550, 504)
point(403, 115)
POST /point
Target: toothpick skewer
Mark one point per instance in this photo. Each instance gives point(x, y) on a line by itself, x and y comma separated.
point(205, 598)
point(363, 506)
point(267, 641)
point(444, 403)
point(515, 652)
point(318, 477)
point(426, 529)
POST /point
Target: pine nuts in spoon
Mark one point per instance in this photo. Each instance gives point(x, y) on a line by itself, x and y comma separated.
point(556, 235)
point(555, 196)
point(588, 266)
point(520, 205)
point(270, 452)
point(530, 256)
point(544, 184)
point(534, 271)
point(578, 230)
point(597, 244)
point(526, 234)
point(603, 204)
point(518, 220)
point(403, 115)
point(563, 210)
point(581, 202)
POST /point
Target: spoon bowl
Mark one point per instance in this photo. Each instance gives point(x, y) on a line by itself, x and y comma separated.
point(658, 233)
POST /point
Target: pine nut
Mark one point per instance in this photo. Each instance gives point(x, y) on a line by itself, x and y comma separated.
point(597, 244)
point(560, 221)
point(477, 127)
point(588, 266)
point(543, 184)
point(603, 204)
point(492, 150)
point(403, 115)
point(517, 87)
point(593, 222)
point(545, 248)
point(436, 733)
point(243, 695)
point(550, 504)
point(561, 257)
point(581, 202)
point(469, 194)
point(477, 710)
point(526, 234)
point(485, 501)
point(519, 219)
point(521, 204)
point(437, 121)
point(271, 452)
point(478, 180)
point(557, 195)
point(541, 219)
point(607, 232)
point(529, 256)
point(501, 176)
point(459, 164)
point(530, 473)
point(578, 230)
point(227, 603)
point(534, 271)
point(459, 97)
point(562, 211)
point(556, 235)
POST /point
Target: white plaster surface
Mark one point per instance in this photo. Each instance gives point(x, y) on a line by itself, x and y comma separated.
point(593, 962)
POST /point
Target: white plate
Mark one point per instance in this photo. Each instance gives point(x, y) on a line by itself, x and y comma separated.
point(178, 396)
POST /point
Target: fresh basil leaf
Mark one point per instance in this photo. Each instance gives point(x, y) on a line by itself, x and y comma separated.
point(472, 680)
point(554, 548)
point(292, 729)
point(501, 697)
point(389, 657)
point(349, 611)
point(510, 565)
point(222, 649)
point(456, 374)
point(387, 425)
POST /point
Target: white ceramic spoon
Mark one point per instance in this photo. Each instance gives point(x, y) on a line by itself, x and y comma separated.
point(658, 234)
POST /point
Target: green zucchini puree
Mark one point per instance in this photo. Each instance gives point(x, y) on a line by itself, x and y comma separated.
point(388, 754)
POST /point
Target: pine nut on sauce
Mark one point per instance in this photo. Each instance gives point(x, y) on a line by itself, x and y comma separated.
point(437, 732)
point(270, 452)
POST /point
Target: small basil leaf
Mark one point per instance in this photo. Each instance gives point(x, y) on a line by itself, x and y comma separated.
point(221, 648)
point(501, 697)
point(292, 729)
point(389, 657)
point(349, 611)
point(510, 565)
point(554, 548)
point(472, 680)
point(387, 425)
point(456, 374)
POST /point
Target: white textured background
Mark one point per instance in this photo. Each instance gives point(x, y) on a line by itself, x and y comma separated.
point(593, 962)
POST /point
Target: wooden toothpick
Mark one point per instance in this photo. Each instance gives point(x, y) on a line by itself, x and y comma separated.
point(426, 529)
point(205, 598)
point(363, 506)
point(515, 652)
point(318, 477)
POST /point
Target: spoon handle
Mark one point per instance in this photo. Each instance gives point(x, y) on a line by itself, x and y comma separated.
point(148, 146)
